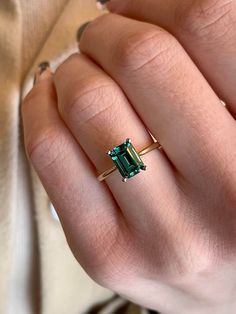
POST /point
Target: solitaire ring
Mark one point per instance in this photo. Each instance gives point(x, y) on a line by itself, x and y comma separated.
point(127, 160)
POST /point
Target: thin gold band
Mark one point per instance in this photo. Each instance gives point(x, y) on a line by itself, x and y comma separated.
point(144, 151)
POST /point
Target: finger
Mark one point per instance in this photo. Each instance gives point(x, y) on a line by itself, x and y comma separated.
point(167, 91)
point(86, 209)
point(207, 30)
point(100, 117)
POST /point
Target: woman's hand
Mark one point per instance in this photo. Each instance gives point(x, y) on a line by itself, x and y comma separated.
point(166, 239)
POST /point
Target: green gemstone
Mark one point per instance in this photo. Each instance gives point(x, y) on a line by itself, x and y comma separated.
point(127, 160)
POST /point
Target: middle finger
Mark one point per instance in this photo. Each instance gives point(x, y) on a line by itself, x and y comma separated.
point(206, 29)
point(168, 92)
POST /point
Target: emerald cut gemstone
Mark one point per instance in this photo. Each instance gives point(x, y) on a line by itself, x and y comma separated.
point(127, 160)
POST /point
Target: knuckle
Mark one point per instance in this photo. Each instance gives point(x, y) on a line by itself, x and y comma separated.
point(45, 148)
point(206, 19)
point(143, 49)
point(111, 266)
point(198, 257)
point(112, 273)
point(93, 97)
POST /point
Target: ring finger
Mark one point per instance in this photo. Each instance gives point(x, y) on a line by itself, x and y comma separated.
point(100, 117)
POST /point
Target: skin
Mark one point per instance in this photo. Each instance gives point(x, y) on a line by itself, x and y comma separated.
point(166, 239)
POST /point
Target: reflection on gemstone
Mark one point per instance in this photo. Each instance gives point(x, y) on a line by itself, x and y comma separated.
point(127, 160)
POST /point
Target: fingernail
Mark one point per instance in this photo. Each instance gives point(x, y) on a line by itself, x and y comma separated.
point(81, 30)
point(101, 4)
point(42, 67)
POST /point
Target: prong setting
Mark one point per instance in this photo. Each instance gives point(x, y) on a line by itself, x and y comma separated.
point(127, 160)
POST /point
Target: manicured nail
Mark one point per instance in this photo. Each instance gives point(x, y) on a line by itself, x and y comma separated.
point(101, 4)
point(81, 30)
point(42, 67)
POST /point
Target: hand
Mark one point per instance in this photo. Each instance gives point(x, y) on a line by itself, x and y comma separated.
point(166, 239)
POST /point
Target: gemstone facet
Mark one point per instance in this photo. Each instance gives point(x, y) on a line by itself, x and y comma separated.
point(127, 160)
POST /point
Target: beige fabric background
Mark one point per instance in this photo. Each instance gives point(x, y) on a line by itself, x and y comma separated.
point(38, 273)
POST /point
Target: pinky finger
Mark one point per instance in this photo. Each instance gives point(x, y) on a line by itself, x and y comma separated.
point(86, 209)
